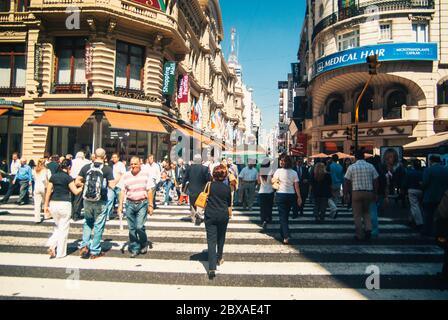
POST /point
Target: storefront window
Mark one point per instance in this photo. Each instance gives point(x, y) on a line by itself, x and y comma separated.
point(129, 66)
point(395, 101)
point(15, 137)
point(129, 143)
point(12, 69)
point(71, 140)
point(70, 72)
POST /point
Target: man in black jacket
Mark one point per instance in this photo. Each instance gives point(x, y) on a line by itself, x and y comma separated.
point(303, 171)
point(195, 180)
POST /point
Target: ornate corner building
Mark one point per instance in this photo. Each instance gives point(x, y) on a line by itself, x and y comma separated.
point(408, 98)
point(119, 74)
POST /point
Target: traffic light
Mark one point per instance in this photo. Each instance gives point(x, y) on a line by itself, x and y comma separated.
point(373, 64)
point(349, 133)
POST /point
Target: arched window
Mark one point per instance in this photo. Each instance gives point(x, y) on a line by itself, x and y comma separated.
point(395, 100)
point(364, 107)
point(334, 108)
point(442, 93)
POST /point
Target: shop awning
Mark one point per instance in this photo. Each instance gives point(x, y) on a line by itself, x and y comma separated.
point(320, 156)
point(136, 122)
point(188, 132)
point(428, 143)
point(63, 118)
point(3, 111)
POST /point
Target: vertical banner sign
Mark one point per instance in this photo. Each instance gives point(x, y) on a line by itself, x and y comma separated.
point(169, 75)
point(296, 72)
point(38, 60)
point(290, 95)
point(89, 61)
point(184, 89)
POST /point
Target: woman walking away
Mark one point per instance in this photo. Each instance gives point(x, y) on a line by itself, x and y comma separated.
point(41, 176)
point(58, 205)
point(321, 183)
point(266, 194)
point(217, 214)
point(288, 192)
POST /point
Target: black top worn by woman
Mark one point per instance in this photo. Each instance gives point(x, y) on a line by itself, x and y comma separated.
point(219, 201)
point(322, 189)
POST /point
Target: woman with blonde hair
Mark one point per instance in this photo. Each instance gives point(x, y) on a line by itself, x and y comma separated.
point(321, 185)
point(41, 176)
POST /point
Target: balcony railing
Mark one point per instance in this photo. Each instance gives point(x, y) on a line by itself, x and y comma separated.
point(12, 91)
point(13, 16)
point(376, 5)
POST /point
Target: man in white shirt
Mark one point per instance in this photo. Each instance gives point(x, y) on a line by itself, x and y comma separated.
point(248, 183)
point(153, 169)
point(78, 163)
point(113, 195)
point(14, 168)
point(362, 180)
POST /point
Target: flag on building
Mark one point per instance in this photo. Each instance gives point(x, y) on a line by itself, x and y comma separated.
point(158, 4)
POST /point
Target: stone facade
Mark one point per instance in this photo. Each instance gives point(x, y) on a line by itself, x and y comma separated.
point(415, 87)
point(188, 32)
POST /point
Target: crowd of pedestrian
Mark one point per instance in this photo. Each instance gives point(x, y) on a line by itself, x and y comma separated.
point(98, 190)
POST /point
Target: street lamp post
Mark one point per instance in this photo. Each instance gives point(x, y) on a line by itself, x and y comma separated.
point(373, 71)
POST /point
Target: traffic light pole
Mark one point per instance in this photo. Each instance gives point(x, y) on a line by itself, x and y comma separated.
point(358, 103)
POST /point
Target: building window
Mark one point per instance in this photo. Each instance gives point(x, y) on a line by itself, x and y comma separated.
point(12, 69)
point(420, 31)
point(321, 10)
point(348, 40)
point(386, 31)
point(70, 72)
point(394, 102)
point(22, 5)
point(364, 107)
point(129, 67)
point(4, 5)
point(332, 116)
point(442, 93)
point(321, 49)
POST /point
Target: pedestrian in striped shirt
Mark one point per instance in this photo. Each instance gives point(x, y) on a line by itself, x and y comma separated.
point(136, 186)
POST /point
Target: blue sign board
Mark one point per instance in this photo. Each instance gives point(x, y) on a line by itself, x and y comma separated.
point(385, 52)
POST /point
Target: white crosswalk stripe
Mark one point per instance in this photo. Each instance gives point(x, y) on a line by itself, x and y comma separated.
point(322, 261)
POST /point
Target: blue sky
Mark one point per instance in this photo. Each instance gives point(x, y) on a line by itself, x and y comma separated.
point(269, 34)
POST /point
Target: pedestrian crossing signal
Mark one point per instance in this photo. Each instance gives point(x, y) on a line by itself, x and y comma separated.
point(373, 64)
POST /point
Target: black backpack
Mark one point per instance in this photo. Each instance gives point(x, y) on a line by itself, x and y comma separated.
point(94, 184)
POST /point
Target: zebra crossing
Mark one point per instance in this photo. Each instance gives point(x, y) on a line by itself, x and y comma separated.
point(321, 262)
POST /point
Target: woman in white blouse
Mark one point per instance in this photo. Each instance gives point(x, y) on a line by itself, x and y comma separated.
point(266, 193)
point(41, 176)
point(288, 192)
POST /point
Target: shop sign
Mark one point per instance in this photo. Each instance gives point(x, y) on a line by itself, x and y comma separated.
point(369, 132)
point(295, 72)
point(131, 95)
point(169, 75)
point(301, 147)
point(385, 52)
point(38, 59)
point(184, 89)
point(282, 85)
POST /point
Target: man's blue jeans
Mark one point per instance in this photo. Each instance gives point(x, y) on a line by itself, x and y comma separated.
point(167, 185)
point(95, 220)
point(374, 217)
point(113, 195)
point(137, 213)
